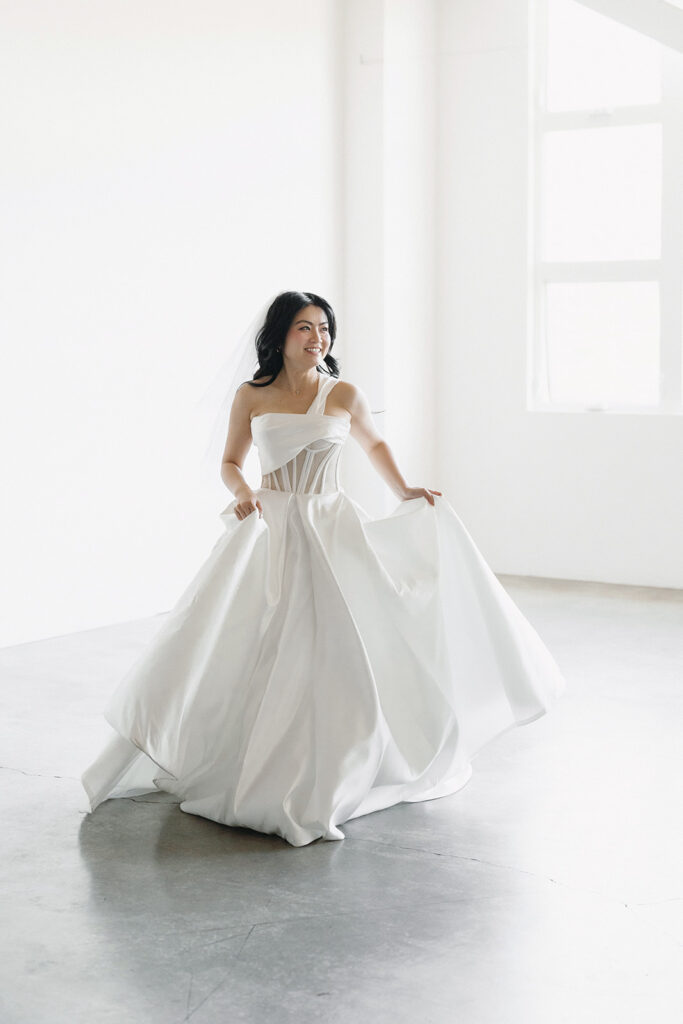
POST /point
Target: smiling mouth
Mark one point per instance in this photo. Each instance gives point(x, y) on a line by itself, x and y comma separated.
point(312, 350)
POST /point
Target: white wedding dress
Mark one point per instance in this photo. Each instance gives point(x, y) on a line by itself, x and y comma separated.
point(323, 664)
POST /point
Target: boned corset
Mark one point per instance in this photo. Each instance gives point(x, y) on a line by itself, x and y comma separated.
point(313, 470)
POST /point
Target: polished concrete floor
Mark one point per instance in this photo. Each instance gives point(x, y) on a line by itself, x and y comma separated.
point(549, 890)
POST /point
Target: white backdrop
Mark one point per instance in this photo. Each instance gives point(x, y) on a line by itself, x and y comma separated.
point(573, 496)
point(165, 168)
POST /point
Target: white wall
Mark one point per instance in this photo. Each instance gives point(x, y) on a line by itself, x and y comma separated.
point(409, 237)
point(440, 150)
point(362, 130)
point(390, 316)
point(165, 168)
point(584, 496)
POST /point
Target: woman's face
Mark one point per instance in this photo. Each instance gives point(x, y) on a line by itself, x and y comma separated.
point(308, 339)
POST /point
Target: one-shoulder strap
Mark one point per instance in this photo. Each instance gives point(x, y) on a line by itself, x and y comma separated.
point(324, 388)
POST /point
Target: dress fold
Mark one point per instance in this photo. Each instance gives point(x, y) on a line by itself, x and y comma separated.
point(323, 664)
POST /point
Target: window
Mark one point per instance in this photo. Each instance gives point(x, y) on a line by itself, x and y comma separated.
point(606, 205)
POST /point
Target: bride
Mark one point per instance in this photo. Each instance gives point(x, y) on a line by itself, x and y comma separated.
point(306, 345)
point(322, 664)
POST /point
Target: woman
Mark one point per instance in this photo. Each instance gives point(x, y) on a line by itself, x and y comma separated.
point(321, 664)
point(292, 385)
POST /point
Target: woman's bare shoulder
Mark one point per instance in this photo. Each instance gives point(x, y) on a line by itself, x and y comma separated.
point(246, 401)
point(246, 390)
point(348, 394)
point(246, 395)
point(345, 387)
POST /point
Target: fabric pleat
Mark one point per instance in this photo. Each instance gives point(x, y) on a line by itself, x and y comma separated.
point(323, 664)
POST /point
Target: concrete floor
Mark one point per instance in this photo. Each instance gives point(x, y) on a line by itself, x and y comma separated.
point(549, 890)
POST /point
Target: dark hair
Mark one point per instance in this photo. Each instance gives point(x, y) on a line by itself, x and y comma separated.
point(270, 339)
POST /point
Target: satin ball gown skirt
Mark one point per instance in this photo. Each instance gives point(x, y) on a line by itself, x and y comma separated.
point(323, 664)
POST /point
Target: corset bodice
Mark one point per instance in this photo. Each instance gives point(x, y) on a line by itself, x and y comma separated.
point(313, 470)
point(300, 452)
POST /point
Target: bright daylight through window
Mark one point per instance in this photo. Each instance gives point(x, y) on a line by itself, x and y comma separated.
point(606, 215)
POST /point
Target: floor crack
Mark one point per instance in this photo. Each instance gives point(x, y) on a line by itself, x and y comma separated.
point(37, 775)
point(189, 996)
point(246, 939)
point(503, 867)
point(657, 903)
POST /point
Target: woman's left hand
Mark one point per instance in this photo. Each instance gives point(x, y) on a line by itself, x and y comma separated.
point(419, 492)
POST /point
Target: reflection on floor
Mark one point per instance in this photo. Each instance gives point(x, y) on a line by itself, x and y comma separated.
point(548, 890)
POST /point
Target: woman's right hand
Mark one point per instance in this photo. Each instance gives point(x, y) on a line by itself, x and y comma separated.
point(247, 502)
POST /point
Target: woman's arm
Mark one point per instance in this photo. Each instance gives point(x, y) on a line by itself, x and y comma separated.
point(237, 445)
point(238, 442)
point(376, 448)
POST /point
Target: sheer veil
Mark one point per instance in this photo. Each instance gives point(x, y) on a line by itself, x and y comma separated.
point(212, 410)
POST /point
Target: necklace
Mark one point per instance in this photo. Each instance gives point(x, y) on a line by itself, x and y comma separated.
point(300, 391)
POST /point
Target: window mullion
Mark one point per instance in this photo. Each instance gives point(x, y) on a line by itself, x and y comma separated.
point(563, 120)
point(671, 293)
point(601, 270)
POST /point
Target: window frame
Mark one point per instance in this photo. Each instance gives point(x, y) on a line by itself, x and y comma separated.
point(667, 270)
